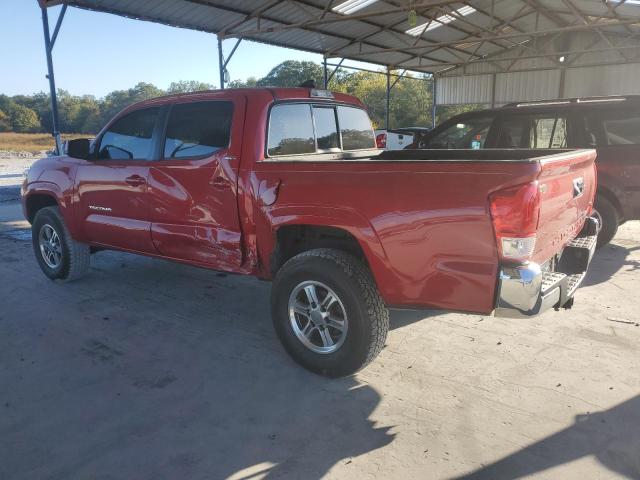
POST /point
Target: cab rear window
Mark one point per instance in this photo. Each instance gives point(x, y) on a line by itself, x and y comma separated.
point(305, 128)
point(355, 128)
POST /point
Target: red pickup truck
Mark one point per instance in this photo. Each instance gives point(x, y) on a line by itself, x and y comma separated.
point(286, 184)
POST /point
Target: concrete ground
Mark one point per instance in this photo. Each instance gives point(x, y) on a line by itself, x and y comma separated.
point(151, 370)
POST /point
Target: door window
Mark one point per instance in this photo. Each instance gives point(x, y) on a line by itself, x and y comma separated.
point(548, 133)
point(355, 128)
point(198, 129)
point(471, 133)
point(533, 131)
point(130, 137)
point(614, 127)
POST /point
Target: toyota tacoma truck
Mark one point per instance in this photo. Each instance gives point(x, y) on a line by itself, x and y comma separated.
point(286, 184)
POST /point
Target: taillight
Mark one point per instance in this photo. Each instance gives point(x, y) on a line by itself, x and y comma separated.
point(515, 212)
point(381, 140)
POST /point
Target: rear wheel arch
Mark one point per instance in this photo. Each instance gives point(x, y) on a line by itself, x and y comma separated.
point(291, 240)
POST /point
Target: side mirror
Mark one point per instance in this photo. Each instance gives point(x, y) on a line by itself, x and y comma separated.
point(79, 148)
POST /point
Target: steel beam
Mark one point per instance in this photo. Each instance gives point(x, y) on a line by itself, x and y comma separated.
point(325, 21)
point(524, 57)
point(325, 73)
point(221, 63)
point(388, 103)
point(539, 33)
point(434, 104)
point(58, 23)
point(397, 79)
point(334, 70)
point(55, 121)
point(233, 50)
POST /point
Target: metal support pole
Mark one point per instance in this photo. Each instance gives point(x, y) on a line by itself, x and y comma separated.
point(55, 123)
point(326, 74)
point(433, 101)
point(493, 90)
point(220, 63)
point(388, 104)
point(563, 76)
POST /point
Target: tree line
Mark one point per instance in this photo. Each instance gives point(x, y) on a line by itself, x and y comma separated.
point(410, 99)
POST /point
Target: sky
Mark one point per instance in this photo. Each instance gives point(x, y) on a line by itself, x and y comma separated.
point(96, 53)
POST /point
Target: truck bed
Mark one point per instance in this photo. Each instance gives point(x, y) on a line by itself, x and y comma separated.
point(423, 216)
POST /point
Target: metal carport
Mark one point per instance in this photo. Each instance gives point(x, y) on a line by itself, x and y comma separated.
point(477, 51)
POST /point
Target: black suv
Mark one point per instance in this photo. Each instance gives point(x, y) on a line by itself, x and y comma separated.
point(611, 125)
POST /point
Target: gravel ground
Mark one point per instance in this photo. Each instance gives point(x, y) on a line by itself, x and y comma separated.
point(148, 369)
point(12, 166)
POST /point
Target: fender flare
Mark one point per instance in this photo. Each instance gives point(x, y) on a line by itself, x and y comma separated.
point(53, 190)
point(343, 218)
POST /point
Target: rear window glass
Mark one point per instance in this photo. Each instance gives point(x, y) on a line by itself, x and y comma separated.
point(355, 128)
point(615, 127)
point(291, 130)
point(198, 129)
point(129, 137)
point(326, 128)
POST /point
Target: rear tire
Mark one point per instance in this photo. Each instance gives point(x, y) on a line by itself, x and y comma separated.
point(357, 320)
point(60, 257)
point(608, 216)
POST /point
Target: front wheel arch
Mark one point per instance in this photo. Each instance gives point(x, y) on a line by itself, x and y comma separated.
point(36, 202)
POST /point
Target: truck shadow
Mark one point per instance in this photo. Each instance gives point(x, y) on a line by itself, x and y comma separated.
point(607, 261)
point(155, 370)
point(611, 436)
point(403, 318)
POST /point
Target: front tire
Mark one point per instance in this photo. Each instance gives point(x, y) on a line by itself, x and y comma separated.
point(328, 313)
point(60, 257)
point(608, 217)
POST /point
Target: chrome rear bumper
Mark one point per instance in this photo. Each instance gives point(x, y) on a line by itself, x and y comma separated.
point(525, 290)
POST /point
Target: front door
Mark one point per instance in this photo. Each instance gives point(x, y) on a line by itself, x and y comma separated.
point(193, 188)
point(112, 189)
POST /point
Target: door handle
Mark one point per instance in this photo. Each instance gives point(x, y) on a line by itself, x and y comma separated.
point(135, 180)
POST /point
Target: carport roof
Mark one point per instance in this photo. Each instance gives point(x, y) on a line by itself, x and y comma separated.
point(450, 36)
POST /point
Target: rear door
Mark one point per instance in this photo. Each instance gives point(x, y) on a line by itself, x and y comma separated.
point(112, 189)
point(616, 134)
point(193, 187)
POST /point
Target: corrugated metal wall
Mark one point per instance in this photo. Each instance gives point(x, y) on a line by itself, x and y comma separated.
point(518, 86)
point(610, 80)
point(539, 85)
point(458, 90)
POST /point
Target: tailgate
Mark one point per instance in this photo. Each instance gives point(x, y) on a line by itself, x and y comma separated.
point(567, 185)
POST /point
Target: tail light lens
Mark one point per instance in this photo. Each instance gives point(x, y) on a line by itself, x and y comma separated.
point(515, 212)
point(381, 140)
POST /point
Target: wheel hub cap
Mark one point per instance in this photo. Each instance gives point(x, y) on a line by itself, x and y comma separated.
point(50, 247)
point(317, 317)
